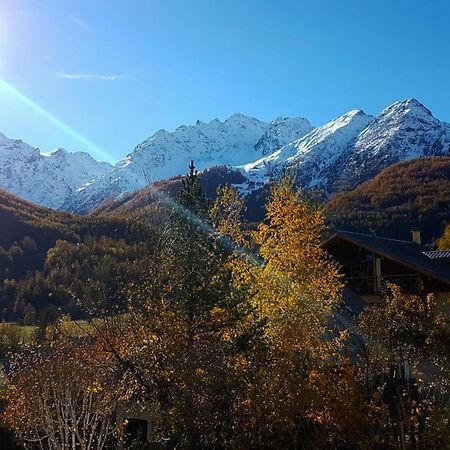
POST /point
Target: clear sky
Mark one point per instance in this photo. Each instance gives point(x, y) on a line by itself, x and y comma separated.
point(103, 75)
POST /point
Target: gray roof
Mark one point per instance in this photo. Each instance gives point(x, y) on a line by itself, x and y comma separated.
point(406, 253)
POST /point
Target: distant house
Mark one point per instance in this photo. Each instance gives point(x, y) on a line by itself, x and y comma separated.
point(369, 262)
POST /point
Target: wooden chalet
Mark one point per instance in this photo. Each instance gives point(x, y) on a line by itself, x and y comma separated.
point(369, 262)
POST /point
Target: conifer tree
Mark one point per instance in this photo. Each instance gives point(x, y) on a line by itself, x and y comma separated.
point(193, 257)
point(191, 196)
point(191, 317)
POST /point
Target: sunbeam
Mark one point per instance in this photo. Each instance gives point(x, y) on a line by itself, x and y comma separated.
point(12, 91)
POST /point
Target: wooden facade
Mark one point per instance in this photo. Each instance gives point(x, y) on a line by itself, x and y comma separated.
point(370, 262)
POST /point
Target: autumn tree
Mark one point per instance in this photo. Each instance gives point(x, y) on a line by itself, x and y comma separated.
point(444, 241)
point(62, 396)
point(293, 286)
point(182, 332)
point(408, 342)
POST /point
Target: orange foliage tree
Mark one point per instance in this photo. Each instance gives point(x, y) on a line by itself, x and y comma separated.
point(62, 396)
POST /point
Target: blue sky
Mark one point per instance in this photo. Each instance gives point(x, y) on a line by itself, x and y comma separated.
point(116, 71)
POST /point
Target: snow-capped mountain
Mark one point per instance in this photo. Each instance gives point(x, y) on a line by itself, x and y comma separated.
point(333, 157)
point(353, 148)
point(403, 131)
point(283, 130)
point(309, 158)
point(237, 140)
point(48, 179)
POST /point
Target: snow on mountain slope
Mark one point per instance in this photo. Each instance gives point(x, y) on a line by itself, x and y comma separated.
point(336, 156)
point(283, 130)
point(309, 158)
point(354, 148)
point(48, 179)
point(235, 141)
point(403, 131)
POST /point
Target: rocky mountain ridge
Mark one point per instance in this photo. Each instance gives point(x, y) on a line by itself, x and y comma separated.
point(48, 179)
point(336, 156)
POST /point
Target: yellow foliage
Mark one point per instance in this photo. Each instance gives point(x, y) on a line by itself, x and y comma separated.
point(444, 241)
point(298, 284)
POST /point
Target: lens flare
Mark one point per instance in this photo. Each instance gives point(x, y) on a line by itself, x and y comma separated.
point(96, 151)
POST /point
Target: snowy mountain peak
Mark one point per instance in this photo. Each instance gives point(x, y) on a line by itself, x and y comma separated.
point(353, 113)
point(45, 178)
point(12, 148)
point(408, 105)
point(281, 132)
point(235, 141)
point(355, 147)
point(312, 154)
point(239, 116)
point(402, 131)
point(410, 109)
point(354, 118)
point(58, 152)
point(337, 155)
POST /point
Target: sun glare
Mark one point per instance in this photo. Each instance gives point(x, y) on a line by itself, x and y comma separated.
point(9, 90)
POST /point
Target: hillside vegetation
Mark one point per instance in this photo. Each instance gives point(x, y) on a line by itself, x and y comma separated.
point(406, 195)
point(410, 194)
point(224, 338)
point(140, 203)
point(50, 260)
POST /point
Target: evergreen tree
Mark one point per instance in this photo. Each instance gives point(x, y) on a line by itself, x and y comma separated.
point(196, 260)
point(193, 314)
point(191, 196)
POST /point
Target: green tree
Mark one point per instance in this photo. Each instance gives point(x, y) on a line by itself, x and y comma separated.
point(191, 196)
point(182, 333)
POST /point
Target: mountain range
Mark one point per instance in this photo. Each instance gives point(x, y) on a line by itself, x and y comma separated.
point(48, 179)
point(336, 156)
point(355, 147)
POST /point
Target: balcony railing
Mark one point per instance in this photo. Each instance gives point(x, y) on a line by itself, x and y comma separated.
point(370, 284)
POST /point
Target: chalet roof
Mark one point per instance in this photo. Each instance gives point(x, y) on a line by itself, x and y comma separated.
point(407, 253)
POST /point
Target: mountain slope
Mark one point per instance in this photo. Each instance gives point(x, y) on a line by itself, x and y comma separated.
point(50, 260)
point(48, 179)
point(403, 131)
point(282, 131)
point(406, 195)
point(334, 157)
point(354, 148)
point(235, 141)
point(338, 155)
point(154, 198)
point(19, 218)
point(309, 158)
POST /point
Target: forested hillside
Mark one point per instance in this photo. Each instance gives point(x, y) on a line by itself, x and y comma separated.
point(411, 194)
point(145, 201)
point(50, 260)
point(221, 332)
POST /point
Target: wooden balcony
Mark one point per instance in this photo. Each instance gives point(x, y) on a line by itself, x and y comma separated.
point(409, 283)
